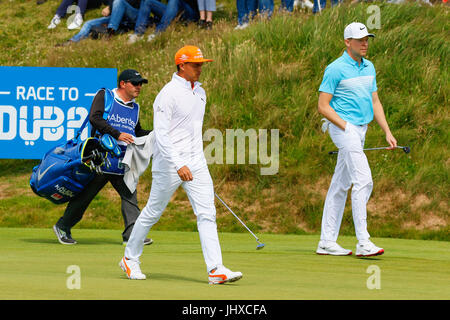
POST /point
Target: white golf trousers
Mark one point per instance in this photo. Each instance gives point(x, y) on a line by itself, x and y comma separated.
point(200, 192)
point(352, 168)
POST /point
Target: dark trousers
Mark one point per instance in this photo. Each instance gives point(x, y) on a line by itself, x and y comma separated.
point(78, 205)
point(65, 4)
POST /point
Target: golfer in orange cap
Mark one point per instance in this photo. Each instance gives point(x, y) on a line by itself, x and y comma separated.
point(189, 61)
point(178, 159)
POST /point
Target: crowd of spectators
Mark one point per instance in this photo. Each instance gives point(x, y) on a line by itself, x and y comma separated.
point(119, 16)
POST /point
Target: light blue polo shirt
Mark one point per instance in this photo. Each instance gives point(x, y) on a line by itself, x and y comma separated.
point(351, 86)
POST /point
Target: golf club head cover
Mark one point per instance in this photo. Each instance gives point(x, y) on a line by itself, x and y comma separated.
point(110, 144)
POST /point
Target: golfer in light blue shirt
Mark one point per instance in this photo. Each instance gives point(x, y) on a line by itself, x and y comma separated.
point(349, 100)
point(351, 84)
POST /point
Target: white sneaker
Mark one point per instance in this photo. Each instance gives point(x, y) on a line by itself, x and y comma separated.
point(221, 275)
point(368, 249)
point(76, 23)
point(307, 4)
point(133, 38)
point(55, 21)
point(241, 26)
point(151, 37)
point(332, 248)
point(132, 269)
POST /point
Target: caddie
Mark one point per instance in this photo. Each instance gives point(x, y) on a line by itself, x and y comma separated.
point(114, 112)
point(349, 101)
point(178, 160)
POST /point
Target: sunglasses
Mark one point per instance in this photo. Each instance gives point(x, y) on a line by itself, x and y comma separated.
point(135, 83)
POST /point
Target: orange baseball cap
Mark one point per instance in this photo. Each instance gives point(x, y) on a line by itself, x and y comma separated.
point(190, 54)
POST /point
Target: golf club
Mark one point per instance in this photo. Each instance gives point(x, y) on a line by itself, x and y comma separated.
point(405, 149)
point(260, 245)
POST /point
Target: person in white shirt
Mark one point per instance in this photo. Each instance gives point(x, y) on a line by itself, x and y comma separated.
point(178, 159)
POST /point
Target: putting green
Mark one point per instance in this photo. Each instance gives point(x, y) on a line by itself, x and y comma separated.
point(35, 266)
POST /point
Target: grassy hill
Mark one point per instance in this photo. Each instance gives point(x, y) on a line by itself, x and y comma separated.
point(267, 77)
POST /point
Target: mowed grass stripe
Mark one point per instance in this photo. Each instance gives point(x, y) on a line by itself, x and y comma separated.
point(34, 267)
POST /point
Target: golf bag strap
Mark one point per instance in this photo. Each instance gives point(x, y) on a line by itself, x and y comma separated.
point(109, 97)
point(82, 127)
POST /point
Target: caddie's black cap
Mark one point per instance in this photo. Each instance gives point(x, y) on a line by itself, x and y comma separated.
point(131, 75)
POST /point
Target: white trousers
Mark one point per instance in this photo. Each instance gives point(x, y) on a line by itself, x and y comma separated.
point(352, 168)
point(200, 192)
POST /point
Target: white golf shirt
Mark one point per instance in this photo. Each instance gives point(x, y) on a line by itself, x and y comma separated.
point(177, 124)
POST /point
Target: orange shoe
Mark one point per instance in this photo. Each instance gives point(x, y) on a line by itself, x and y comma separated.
point(220, 275)
point(132, 269)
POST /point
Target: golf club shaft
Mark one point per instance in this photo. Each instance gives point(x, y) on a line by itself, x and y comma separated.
point(368, 149)
point(381, 148)
point(236, 216)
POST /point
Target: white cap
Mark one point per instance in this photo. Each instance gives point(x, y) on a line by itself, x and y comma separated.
point(356, 30)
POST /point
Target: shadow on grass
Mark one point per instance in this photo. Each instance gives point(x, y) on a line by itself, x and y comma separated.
point(80, 241)
point(375, 258)
point(40, 240)
point(169, 277)
point(175, 277)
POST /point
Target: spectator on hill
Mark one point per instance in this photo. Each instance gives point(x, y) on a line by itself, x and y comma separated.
point(266, 7)
point(246, 10)
point(206, 8)
point(319, 6)
point(82, 5)
point(119, 15)
point(188, 9)
point(147, 7)
point(303, 4)
point(122, 10)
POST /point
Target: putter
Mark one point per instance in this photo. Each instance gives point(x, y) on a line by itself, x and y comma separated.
point(405, 149)
point(260, 245)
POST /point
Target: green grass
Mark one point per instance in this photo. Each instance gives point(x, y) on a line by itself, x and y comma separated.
point(267, 77)
point(34, 266)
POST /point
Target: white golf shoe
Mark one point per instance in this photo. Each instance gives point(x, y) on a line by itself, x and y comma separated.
point(133, 38)
point(368, 249)
point(132, 269)
point(241, 26)
point(332, 248)
point(151, 37)
point(220, 275)
point(55, 21)
point(76, 23)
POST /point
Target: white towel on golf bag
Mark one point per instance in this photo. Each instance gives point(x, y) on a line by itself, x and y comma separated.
point(136, 159)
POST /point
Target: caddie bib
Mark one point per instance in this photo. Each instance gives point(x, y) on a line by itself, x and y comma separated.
point(124, 118)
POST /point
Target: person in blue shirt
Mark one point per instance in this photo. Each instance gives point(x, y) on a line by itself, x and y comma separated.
point(349, 101)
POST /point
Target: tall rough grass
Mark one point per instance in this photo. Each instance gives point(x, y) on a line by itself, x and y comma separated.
point(267, 76)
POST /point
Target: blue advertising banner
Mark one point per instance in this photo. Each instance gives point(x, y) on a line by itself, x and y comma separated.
point(41, 107)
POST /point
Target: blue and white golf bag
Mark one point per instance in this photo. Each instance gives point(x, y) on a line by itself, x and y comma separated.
point(65, 170)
